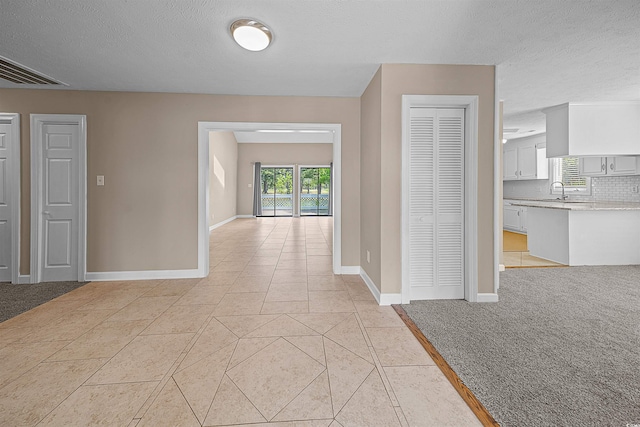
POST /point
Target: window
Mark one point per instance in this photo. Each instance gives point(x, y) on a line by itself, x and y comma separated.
point(565, 169)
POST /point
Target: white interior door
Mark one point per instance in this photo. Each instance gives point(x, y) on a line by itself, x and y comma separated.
point(5, 202)
point(436, 203)
point(58, 159)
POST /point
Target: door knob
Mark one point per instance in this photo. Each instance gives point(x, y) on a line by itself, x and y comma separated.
point(46, 213)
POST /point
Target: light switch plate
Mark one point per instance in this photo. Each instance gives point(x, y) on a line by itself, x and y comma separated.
point(100, 180)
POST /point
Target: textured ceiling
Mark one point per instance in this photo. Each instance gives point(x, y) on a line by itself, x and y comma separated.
point(547, 51)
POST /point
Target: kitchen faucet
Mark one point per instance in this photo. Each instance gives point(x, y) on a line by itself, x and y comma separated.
point(562, 184)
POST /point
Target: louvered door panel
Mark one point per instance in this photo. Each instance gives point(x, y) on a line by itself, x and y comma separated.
point(422, 162)
point(422, 197)
point(450, 203)
point(436, 203)
point(450, 162)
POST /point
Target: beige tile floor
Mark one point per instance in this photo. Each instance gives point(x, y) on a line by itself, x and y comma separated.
point(271, 336)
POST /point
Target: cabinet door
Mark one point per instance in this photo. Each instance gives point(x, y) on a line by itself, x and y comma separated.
point(523, 219)
point(592, 166)
point(511, 218)
point(510, 162)
point(622, 165)
point(543, 162)
point(527, 161)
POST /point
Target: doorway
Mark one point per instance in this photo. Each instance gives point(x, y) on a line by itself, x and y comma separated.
point(276, 193)
point(58, 198)
point(439, 197)
point(333, 130)
point(315, 190)
point(9, 197)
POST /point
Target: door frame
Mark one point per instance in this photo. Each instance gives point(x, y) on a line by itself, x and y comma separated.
point(300, 189)
point(203, 182)
point(37, 122)
point(13, 174)
point(470, 104)
point(293, 189)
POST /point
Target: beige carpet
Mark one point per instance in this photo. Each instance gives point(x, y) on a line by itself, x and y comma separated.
point(561, 348)
point(16, 299)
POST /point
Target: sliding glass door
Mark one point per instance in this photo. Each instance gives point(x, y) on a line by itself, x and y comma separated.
point(315, 191)
point(277, 191)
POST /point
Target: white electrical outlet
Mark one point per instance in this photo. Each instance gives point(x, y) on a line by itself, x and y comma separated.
point(634, 188)
point(368, 257)
point(249, 185)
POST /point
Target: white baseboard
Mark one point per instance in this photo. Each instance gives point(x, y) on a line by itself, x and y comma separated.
point(245, 216)
point(388, 299)
point(24, 279)
point(383, 299)
point(350, 269)
point(142, 275)
point(221, 223)
point(501, 267)
point(372, 286)
point(487, 297)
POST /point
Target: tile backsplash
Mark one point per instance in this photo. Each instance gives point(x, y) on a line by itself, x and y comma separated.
point(606, 188)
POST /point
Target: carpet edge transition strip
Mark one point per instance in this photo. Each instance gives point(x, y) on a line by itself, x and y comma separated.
point(467, 395)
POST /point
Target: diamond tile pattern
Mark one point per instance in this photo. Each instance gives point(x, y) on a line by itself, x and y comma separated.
point(270, 337)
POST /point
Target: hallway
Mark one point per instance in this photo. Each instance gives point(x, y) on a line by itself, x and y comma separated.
point(271, 335)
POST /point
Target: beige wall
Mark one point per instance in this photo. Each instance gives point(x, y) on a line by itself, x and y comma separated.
point(145, 144)
point(275, 154)
point(370, 200)
point(223, 176)
point(401, 79)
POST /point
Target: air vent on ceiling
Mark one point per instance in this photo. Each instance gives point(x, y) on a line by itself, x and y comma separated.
point(19, 74)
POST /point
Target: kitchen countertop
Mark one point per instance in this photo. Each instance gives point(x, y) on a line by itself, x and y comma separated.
point(574, 205)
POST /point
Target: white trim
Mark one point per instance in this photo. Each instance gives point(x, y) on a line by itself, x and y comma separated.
point(497, 183)
point(336, 193)
point(244, 216)
point(501, 267)
point(388, 299)
point(13, 174)
point(382, 299)
point(350, 269)
point(142, 275)
point(221, 223)
point(487, 297)
point(37, 121)
point(23, 279)
point(470, 104)
point(203, 182)
point(372, 286)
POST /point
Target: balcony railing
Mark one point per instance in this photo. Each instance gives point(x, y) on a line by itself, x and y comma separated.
point(314, 204)
point(282, 204)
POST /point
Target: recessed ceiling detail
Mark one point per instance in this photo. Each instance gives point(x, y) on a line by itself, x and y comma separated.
point(19, 74)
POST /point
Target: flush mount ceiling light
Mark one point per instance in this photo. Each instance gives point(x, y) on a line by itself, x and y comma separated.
point(251, 34)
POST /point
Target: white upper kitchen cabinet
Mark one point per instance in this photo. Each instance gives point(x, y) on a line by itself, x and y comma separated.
point(592, 166)
point(593, 129)
point(525, 158)
point(608, 166)
point(622, 165)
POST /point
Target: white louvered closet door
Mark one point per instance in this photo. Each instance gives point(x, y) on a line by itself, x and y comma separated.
point(436, 203)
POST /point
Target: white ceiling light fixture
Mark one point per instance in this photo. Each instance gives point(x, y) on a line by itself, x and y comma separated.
point(251, 34)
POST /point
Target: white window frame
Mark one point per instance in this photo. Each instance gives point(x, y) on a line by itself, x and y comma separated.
point(556, 175)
